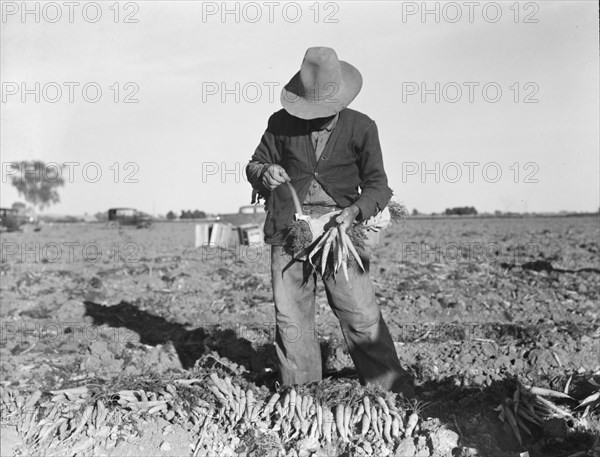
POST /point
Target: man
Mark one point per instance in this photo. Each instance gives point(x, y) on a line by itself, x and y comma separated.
point(327, 152)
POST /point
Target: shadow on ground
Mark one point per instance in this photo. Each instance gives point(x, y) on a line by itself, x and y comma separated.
point(254, 351)
point(470, 411)
point(190, 344)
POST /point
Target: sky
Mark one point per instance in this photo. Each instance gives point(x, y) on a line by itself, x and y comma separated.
point(159, 105)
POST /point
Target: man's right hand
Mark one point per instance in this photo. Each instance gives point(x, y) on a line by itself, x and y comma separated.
point(274, 176)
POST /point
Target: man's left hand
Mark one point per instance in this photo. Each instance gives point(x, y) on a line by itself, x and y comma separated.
point(347, 216)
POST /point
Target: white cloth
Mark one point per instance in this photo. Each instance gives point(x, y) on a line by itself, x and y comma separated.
point(379, 220)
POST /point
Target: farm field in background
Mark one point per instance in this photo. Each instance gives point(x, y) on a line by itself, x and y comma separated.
point(475, 306)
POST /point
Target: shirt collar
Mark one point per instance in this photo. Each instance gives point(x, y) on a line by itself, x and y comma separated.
point(330, 126)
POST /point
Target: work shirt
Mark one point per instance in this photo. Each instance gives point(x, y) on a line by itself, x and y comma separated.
point(349, 168)
point(316, 195)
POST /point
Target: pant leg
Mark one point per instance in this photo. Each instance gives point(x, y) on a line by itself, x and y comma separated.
point(296, 344)
point(365, 332)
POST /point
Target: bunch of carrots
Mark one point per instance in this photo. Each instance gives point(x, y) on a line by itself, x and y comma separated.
point(297, 416)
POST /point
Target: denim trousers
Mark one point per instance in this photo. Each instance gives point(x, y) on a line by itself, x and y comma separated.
point(353, 302)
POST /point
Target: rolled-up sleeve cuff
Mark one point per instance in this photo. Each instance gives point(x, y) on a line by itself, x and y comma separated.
point(367, 206)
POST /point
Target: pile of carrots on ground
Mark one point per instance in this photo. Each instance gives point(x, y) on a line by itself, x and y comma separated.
point(87, 416)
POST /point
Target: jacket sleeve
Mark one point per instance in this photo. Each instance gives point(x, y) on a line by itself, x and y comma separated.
point(265, 154)
point(254, 172)
point(375, 193)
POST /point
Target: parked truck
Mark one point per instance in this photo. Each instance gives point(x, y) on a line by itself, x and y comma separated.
point(118, 217)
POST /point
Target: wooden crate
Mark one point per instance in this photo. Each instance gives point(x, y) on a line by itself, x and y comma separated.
point(250, 234)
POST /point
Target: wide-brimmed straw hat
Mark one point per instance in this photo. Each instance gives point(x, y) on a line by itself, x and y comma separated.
point(323, 87)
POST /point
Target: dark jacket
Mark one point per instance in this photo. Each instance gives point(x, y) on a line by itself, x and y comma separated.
point(351, 161)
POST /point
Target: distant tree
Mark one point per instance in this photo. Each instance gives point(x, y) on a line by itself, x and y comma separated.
point(20, 207)
point(171, 215)
point(415, 212)
point(460, 211)
point(37, 182)
point(196, 214)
